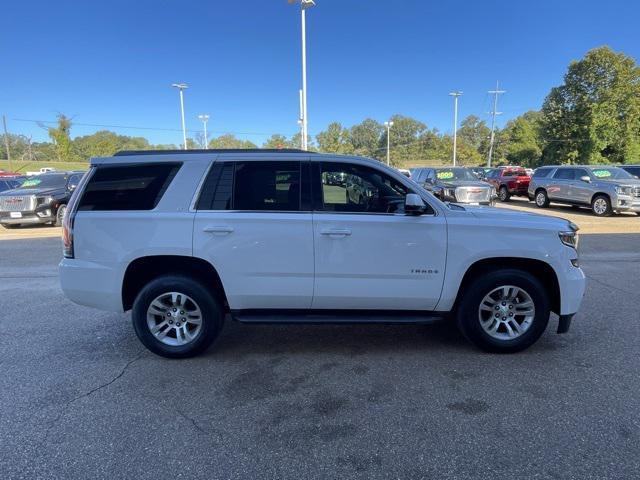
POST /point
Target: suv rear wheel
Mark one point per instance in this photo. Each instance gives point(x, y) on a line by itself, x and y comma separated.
point(601, 206)
point(176, 317)
point(542, 200)
point(503, 194)
point(504, 311)
point(60, 215)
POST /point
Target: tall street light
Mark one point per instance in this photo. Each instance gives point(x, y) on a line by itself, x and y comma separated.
point(388, 124)
point(205, 118)
point(304, 4)
point(455, 96)
point(182, 87)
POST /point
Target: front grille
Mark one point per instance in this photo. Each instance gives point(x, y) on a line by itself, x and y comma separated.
point(473, 194)
point(635, 191)
point(18, 203)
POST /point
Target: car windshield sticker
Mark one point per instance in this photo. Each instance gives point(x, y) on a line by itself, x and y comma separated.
point(444, 175)
point(31, 182)
point(602, 173)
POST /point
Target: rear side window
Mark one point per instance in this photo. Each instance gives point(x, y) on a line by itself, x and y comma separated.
point(129, 187)
point(267, 186)
point(217, 189)
point(541, 173)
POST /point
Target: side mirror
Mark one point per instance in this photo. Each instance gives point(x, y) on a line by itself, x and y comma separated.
point(72, 187)
point(414, 205)
point(586, 179)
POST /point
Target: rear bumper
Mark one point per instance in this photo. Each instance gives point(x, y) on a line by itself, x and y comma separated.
point(91, 284)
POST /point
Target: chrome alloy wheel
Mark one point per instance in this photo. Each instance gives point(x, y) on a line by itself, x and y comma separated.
point(506, 312)
point(541, 199)
point(600, 206)
point(174, 319)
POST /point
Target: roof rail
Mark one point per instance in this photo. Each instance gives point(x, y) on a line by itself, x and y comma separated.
point(125, 153)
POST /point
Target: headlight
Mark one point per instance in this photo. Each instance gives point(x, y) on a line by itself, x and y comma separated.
point(44, 200)
point(623, 190)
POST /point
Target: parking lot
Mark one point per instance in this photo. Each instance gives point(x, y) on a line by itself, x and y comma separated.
point(82, 398)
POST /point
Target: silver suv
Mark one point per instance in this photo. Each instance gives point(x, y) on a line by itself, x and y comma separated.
point(604, 189)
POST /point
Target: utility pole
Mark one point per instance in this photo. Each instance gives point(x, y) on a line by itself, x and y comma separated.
point(495, 112)
point(205, 118)
point(455, 96)
point(301, 123)
point(182, 87)
point(304, 5)
point(6, 141)
point(388, 124)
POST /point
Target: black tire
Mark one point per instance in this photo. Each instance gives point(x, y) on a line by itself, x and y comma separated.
point(212, 315)
point(60, 214)
point(10, 226)
point(503, 194)
point(541, 199)
point(597, 202)
point(468, 317)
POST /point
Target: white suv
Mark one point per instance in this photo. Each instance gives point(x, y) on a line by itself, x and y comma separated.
point(184, 238)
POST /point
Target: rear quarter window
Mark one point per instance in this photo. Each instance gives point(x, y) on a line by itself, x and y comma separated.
point(128, 187)
point(541, 173)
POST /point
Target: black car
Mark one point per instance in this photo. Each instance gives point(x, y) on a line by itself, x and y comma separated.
point(455, 184)
point(38, 199)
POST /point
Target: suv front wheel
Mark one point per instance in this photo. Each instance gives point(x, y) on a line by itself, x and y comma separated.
point(541, 198)
point(176, 317)
point(601, 206)
point(504, 311)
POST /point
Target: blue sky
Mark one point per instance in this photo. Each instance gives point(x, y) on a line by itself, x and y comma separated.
point(112, 63)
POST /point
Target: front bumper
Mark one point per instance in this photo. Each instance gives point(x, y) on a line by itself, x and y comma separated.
point(626, 204)
point(27, 218)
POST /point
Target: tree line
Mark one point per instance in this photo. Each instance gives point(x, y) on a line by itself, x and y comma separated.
point(592, 118)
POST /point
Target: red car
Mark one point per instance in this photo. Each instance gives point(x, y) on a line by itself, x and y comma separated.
point(4, 173)
point(509, 181)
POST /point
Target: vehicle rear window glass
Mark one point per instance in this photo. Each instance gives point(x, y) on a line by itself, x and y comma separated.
point(541, 173)
point(565, 174)
point(130, 187)
point(267, 186)
point(509, 172)
point(217, 188)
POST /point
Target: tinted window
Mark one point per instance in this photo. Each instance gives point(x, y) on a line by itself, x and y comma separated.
point(50, 180)
point(633, 171)
point(361, 189)
point(579, 173)
point(267, 186)
point(564, 174)
point(446, 174)
point(133, 187)
point(608, 173)
point(541, 173)
point(217, 189)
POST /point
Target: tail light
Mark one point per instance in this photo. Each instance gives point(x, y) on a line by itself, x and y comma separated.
point(69, 217)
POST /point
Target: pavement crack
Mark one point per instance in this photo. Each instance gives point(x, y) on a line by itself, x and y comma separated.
point(63, 409)
point(609, 285)
point(193, 422)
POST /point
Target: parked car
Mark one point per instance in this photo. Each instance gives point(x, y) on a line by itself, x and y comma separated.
point(41, 171)
point(509, 181)
point(37, 200)
point(604, 189)
point(4, 173)
point(405, 172)
point(479, 172)
point(455, 184)
point(632, 169)
point(182, 238)
point(8, 183)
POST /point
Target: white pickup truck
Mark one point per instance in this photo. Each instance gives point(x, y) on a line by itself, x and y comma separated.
point(41, 171)
point(184, 239)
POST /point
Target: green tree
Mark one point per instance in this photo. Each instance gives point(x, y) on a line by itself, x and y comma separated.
point(276, 141)
point(230, 141)
point(365, 137)
point(594, 117)
point(61, 137)
point(522, 136)
point(404, 135)
point(335, 139)
point(475, 133)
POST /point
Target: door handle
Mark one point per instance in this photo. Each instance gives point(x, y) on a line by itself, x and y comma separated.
point(218, 229)
point(336, 232)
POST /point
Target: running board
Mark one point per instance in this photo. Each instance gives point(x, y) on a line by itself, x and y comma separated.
point(336, 317)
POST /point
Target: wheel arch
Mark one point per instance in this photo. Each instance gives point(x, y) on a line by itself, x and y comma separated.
point(540, 269)
point(142, 270)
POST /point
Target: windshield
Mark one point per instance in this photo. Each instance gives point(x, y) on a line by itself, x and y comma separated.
point(45, 181)
point(455, 174)
point(609, 173)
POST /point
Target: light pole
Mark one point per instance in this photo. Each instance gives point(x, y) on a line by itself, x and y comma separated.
point(182, 87)
point(301, 124)
point(455, 96)
point(388, 124)
point(205, 118)
point(304, 4)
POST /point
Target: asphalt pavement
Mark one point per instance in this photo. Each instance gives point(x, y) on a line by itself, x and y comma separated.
point(81, 398)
